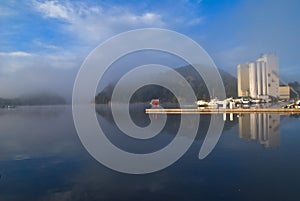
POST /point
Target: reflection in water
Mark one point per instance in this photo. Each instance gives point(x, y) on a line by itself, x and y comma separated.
point(140, 118)
point(41, 158)
point(264, 128)
point(34, 132)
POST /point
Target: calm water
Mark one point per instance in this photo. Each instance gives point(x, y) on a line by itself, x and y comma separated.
point(41, 158)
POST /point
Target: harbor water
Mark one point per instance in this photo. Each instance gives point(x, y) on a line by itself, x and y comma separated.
point(42, 158)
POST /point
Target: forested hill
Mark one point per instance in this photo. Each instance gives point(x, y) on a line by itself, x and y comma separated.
point(145, 94)
point(36, 99)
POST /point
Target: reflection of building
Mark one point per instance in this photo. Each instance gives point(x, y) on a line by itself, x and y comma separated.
point(284, 92)
point(259, 79)
point(261, 127)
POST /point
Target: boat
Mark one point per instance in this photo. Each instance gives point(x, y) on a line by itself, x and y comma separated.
point(202, 103)
point(154, 103)
point(244, 100)
point(295, 105)
point(213, 104)
point(258, 101)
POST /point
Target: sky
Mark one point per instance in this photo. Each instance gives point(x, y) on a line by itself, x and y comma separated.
point(43, 43)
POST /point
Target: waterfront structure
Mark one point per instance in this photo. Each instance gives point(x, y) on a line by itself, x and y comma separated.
point(243, 80)
point(259, 79)
point(264, 128)
point(284, 92)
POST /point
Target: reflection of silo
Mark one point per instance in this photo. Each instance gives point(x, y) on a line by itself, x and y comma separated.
point(252, 80)
point(253, 125)
point(274, 130)
point(244, 126)
point(265, 134)
point(262, 127)
point(266, 126)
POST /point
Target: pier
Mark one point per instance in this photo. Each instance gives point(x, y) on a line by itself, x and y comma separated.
point(282, 111)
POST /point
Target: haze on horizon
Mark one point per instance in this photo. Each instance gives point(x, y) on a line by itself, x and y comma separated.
point(43, 43)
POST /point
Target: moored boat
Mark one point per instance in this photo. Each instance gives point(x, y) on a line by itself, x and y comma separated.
point(154, 102)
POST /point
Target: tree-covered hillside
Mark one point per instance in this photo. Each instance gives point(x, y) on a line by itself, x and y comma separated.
point(37, 99)
point(146, 93)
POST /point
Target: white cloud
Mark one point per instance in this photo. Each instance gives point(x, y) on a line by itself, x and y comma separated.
point(15, 54)
point(12, 62)
point(82, 27)
point(92, 25)
point(150, 18)
point(195, 21)
point(45, 45)
point(53, 9)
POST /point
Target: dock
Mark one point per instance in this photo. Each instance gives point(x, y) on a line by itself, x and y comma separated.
point(282, 111)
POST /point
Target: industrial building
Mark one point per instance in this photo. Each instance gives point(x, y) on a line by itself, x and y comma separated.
point(259, 79)
point(284, 92)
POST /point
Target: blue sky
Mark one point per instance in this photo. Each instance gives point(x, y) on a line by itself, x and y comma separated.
point(43, 43)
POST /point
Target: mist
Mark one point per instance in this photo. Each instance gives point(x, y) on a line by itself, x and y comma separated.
point(23, 73)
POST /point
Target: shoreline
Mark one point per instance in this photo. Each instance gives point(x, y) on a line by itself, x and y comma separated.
point(283, 111)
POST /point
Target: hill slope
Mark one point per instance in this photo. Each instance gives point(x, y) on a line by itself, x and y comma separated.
point(149, 92)
point(36, 99)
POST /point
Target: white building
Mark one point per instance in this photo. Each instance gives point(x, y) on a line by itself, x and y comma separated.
point(259, 79)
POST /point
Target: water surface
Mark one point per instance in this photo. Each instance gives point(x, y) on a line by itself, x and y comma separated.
point(42, 158)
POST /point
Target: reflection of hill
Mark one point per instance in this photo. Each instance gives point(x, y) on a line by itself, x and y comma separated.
point(35, 132)
point(263, 128)
point(139, 117)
